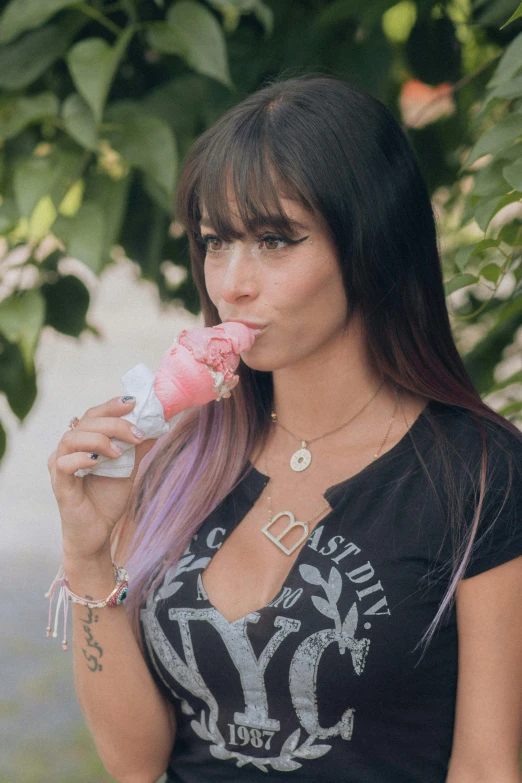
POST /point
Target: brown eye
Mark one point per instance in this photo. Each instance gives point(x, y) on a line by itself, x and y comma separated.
point(271, 243)
point(209, 242)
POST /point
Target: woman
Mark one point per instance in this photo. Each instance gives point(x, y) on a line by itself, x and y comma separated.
point(379, 639)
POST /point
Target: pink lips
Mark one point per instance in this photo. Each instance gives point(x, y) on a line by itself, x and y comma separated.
point(255, 327)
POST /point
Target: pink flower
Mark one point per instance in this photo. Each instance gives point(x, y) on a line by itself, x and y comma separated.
point(421, 104)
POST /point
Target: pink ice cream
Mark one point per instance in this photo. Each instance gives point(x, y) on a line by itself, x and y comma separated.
point(199, 366)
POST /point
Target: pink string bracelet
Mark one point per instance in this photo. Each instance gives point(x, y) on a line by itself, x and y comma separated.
point(116, 597)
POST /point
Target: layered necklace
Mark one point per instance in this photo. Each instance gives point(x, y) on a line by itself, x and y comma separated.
point(302, 457)
point(300, 460)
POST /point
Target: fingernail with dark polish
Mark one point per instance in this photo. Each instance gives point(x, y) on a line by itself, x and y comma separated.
point(94, 456)
point(127, 399)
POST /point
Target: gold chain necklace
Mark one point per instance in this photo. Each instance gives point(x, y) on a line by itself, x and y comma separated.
point(277, 540)
point(303, 457)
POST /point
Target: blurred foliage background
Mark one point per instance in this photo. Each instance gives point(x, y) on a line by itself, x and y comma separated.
point(99, 102)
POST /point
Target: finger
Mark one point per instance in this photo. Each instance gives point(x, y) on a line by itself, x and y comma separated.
point(66, 467)
point(100, 434)
point(76, 450)
point(87, 441)
point(113, 407)
point(67, 486)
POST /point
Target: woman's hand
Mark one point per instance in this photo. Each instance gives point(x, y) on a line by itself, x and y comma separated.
point(91, 506)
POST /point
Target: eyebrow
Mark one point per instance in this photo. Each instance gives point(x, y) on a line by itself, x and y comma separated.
point(261, 222)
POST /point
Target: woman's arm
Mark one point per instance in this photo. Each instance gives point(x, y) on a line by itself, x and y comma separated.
point(130, 721)
point(132, 725)
point(488, 722)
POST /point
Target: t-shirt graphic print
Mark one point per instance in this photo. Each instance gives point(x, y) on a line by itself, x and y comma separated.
point(322, 683)
point(250, 723)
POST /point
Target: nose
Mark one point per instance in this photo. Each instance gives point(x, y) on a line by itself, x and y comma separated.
point(239, 279)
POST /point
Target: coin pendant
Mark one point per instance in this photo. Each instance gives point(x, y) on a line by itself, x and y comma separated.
point(300, 460)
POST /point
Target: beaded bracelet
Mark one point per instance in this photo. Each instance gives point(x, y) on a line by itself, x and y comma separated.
point(116, 597)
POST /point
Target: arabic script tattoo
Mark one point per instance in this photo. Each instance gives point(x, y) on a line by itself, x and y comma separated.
point(92, 652)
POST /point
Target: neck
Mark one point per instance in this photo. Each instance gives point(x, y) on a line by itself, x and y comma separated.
point(322, 392)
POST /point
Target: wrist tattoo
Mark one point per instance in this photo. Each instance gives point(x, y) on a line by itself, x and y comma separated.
point(92, 652)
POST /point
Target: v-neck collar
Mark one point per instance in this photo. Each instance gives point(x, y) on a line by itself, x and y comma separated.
point(253, 482)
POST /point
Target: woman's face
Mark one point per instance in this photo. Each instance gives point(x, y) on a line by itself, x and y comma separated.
point(292, 288)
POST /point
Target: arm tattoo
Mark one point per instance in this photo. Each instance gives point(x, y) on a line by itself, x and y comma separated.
point(92, 652)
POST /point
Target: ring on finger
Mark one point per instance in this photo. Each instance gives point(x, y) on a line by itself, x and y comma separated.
point(74, 422)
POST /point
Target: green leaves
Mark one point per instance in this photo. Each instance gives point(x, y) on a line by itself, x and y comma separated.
point(8, 215)
point(506, 83)
point(193, 33)
point(67, 302)
point(459, 281)
point(18, 113)
point(82, 234)
point(22, 15)
point(483, 358)
point(516, 15)
point(16, 382)
point(146, 142)
point(32, 179)
point(21, 319)
point(79, 121)
point(496, 139)
point(515, 378)
point(111, 196)
point(513, 174)
point(490, 180)
point(181, 103)
point(92, 64)
point(52, 175)
point(488, 208)
point(510, 64)
point(478, 250)
point(24, 60)
point(497, 185)
point(94, 228)
point(233, 10)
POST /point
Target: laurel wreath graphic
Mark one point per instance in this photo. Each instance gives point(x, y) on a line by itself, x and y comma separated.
point(282, 763)
point(344, 630)
point(169, 586)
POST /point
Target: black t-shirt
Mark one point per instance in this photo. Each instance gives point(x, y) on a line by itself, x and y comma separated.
point(324, 682)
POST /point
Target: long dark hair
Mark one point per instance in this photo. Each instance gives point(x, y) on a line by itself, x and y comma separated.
point(340, 153)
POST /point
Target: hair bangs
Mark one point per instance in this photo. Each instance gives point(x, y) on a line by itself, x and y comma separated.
point(240, 189)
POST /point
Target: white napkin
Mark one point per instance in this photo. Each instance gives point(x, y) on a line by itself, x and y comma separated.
point(147, 414)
